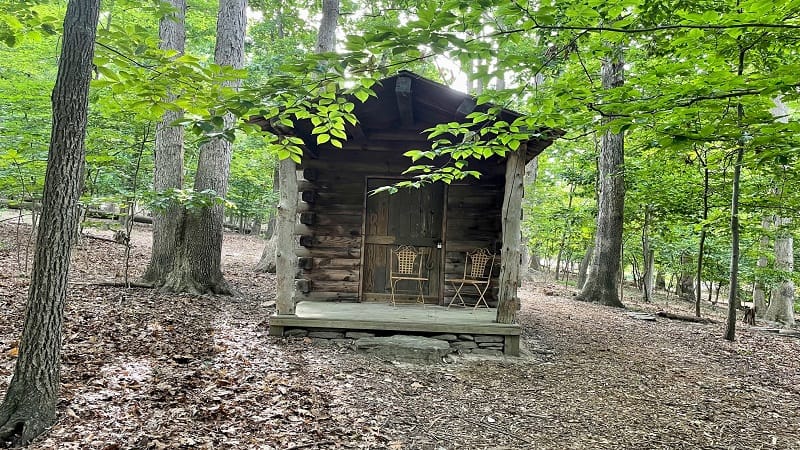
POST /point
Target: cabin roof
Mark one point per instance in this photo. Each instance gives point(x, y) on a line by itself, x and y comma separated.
point(405, 105)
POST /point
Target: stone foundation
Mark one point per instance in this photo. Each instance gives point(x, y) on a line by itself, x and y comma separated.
point(479, 344)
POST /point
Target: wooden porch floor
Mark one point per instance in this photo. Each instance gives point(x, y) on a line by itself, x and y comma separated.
point(400, 318)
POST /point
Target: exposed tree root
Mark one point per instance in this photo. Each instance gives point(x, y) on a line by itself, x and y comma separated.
point(183, 282)
point(18, 427)
point(594, 294)
point(135, 284)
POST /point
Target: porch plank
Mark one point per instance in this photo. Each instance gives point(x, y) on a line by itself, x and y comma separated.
point(384, 317)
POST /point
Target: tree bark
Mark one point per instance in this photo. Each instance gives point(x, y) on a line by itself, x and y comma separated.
point(781, 303)
point(326, 38)
point(531, 175)
point(781, 307)
point(686, 279)
point(759, 295)
point(733, 294)
point(29, 406)
point(647, 258)
point(198, 264)
point(563, 242)
point(661, 283)
point(267, 261)
point(703, 231)
point(168, 160)
point(602, 283)
point(509, 302)
point(285, 258)
point(584, 266)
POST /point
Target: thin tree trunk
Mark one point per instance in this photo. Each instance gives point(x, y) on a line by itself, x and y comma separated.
point(701, 249)
point(733, 298)
point(29, 406)
point(566, 231)
point(733, 295)
point(168, 160)
point(647, 258)
point(198, 267)
point(602, 285)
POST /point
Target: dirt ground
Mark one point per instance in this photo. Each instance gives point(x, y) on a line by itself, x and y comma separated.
point(145, 370)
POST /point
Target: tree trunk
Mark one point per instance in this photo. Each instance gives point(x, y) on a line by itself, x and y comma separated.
point(267, 261)
point(778, 313)
point(699, 280)
point(661, 283)
point(168, 161)
point(759, 296)
point(530, 258)
point(781, 303)
point(283, 238)
point(29, 406)
point(733, 298)
point(703, 231)
point(326, 38)
point(562, 244)
point(285, 258)
point(647, 258)
point(584, 267)
point(733, 294)
point(602, 285)
point(647, 285)
point(509, 303)
point(685, 288)
point(198, 264)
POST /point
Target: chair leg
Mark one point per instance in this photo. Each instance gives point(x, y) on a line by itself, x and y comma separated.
point(421, 293)
point(481, 297)
point(457, 294)
point(392, 283)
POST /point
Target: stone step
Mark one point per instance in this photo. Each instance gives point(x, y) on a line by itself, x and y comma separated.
point(401, 347)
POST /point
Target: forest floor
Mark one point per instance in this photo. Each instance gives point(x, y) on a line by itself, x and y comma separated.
point(146, 370)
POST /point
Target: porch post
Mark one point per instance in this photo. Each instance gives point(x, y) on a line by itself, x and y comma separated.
point(285, 258)
point(509, 303)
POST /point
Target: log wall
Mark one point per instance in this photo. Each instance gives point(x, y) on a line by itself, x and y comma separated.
point(331, 209)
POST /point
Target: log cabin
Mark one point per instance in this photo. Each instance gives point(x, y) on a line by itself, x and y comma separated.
point(344, 235)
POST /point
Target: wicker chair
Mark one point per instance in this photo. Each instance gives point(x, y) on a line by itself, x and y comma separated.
point(477, 273)
point(407, 265)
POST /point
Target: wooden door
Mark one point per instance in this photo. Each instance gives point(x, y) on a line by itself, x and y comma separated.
point(407, 217)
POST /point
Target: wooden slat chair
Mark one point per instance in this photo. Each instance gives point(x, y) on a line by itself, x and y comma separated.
point(407, 265)
point(477, 273)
